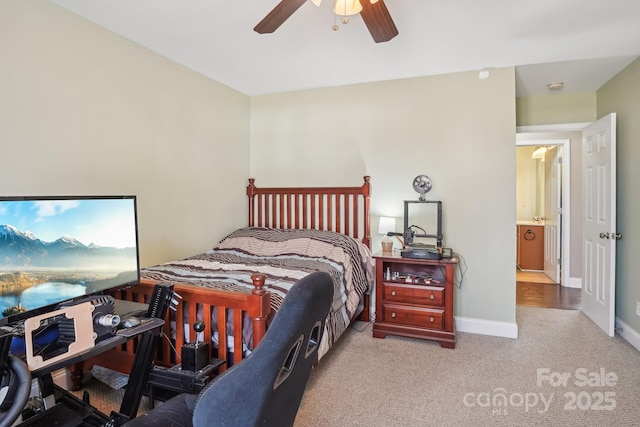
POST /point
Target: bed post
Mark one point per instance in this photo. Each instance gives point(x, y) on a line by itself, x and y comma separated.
point(366, 193)
point(365, 315)
point(251, 193)
point(259, 315)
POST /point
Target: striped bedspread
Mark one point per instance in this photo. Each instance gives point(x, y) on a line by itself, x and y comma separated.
point(284, 257)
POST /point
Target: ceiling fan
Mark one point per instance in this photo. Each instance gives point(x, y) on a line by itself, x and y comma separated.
point(374, 13)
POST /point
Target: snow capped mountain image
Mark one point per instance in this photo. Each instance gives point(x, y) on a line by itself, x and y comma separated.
point(10, 232)
point(23, 250)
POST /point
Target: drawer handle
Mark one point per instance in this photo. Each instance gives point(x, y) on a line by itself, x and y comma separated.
point(393, 293)
point(432, 319)
point(393, 314)
point(432, 296)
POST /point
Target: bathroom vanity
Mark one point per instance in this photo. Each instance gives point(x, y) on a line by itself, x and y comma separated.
point(530, 237)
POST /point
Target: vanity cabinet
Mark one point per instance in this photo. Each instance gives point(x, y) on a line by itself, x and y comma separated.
point(530, 247)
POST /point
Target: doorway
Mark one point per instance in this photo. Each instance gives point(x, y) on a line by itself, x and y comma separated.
point(543, 203)
point(568, 295)
point(571, 232)
point(546, 160)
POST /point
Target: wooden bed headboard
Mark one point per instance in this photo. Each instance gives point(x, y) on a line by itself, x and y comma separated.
point(339, 209)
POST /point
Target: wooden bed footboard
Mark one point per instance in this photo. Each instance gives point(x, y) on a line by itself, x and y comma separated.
point(191, 301)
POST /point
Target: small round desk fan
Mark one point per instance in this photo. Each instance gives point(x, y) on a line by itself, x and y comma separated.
point(422, 185)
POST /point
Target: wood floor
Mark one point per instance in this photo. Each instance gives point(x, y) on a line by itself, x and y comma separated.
point(537, 290)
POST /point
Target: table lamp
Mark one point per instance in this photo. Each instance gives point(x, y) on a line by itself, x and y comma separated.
point(387, 225)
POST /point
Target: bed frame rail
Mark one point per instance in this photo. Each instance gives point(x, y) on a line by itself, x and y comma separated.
point(191, 301)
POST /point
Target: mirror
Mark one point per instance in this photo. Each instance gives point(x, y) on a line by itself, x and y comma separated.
point(530, 183)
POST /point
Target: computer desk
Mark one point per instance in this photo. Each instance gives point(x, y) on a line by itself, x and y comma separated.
point(62, 408)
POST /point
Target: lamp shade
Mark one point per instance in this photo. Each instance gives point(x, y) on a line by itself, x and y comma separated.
point(387, 224)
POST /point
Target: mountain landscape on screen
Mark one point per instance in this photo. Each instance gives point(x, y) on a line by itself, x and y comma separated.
point(24, 250)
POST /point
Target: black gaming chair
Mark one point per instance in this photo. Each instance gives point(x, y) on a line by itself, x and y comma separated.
point(266, 388)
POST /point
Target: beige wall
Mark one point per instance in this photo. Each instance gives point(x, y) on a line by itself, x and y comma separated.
point(83, 111)
point(556, 108)
point(455, 128)
point(621, 95)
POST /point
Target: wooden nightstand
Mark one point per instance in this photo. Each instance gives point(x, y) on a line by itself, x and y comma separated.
point(418, 303)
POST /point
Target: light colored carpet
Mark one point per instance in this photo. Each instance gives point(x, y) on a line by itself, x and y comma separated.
point(365, 381)
point(104, 398)
point(397, 381)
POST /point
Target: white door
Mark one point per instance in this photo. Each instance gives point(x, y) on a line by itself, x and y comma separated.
point(552, 210)
point(599, 222)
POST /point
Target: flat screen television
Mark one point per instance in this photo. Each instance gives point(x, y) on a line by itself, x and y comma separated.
point(59, 249)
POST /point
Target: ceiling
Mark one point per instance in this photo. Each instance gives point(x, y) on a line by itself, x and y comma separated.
point(582, 44)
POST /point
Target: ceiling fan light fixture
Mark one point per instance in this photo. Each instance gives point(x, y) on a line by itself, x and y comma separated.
point(347, 7)
point(318, 2)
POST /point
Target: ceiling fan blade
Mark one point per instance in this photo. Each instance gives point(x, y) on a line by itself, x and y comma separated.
point(278, 15)
point(378, 20)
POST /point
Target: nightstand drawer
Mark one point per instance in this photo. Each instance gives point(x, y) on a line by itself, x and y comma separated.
point(413, 294)
point(414, 316)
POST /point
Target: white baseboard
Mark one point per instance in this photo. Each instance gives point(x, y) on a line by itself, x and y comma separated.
point(628, 333)
point(574, 282)
point(486, 327)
